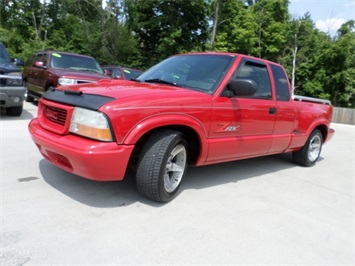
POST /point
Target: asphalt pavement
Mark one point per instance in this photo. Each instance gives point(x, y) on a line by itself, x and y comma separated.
point(263, 211)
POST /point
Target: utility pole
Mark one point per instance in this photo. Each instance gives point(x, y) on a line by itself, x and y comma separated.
point(215, 23)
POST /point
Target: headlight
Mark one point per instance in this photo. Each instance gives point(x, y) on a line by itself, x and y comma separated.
point(14, 81)
point(65, 81)
point(91, 124)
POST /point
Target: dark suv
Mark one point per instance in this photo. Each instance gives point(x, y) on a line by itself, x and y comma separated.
point(12, 91)
point(50, 69)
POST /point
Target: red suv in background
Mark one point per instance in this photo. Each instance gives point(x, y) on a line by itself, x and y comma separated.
point(118, 72)
point(49, 69)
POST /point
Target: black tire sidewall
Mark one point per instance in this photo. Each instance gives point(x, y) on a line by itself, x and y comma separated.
point(14, 111)
point(301, 156)
point(314, 133)
point(152, 163)
point(164, 195)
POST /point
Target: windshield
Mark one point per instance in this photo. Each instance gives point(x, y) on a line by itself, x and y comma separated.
point(4, 56)
point(202, 72)
point(131, 73)
point(74, 62)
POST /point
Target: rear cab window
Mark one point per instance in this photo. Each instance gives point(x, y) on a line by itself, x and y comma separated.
point(281, 83)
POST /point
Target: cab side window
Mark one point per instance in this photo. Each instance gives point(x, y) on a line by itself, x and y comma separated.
point(41, 58)
point(259, 74)
point(38, 58)
point(44, 60)
point(281, 83)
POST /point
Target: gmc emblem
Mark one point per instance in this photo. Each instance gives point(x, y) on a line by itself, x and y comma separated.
point(50, 114)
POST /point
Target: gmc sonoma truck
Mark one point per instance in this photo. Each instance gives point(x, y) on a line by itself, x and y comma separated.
point(190, 109)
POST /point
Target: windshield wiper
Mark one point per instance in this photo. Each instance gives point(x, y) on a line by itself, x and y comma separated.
point(90, 70)
point(162, 81)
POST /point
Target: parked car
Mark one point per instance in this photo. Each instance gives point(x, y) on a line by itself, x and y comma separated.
point(118, 72)
point(49, 69)
point(12, 91)
point(190, 109)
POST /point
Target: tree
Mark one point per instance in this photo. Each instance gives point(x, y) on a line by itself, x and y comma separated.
point(300, 50)
point(235, 29)
point(338, 61)
point(167, 27)
point(139, 33)
point(272, 19)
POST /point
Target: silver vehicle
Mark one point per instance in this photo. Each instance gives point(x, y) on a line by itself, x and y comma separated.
point(12, 91)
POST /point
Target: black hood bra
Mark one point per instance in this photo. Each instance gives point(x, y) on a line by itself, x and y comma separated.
point(77, 98)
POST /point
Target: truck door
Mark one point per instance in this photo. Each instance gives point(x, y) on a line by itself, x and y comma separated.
point(42, 74)
point(242, 127)
point(35, 76)
point(285, 113)
point(32, 73)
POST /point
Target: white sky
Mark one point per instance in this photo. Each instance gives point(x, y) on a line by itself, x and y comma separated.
point(328, 15)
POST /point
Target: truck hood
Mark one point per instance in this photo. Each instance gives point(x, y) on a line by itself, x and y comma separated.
point(139, 92)
point(76, 74)
point(9, 67)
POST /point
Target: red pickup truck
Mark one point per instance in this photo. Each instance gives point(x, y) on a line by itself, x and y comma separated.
point(190, 109)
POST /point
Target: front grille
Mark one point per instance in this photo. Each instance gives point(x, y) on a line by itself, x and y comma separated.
point(11, 80)
point(55, 115)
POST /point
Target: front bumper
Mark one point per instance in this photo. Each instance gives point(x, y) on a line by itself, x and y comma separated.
point(95, 160)
point(12, 96)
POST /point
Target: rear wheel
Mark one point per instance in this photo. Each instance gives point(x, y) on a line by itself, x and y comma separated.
point(162, 165)
point(309, 154)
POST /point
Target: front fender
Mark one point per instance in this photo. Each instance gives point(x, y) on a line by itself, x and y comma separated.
point(165, 120)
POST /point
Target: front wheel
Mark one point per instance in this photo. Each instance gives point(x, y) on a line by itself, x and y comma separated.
point(28, 97)
point(309, 154)
point(162, 165)
point(14, 111)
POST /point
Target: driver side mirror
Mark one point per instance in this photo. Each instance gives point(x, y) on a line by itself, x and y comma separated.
point(18, 62)
point(39, 64)
point(242, 87)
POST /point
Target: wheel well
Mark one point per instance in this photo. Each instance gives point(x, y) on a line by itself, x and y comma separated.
point(191, 138)
point(324, 130)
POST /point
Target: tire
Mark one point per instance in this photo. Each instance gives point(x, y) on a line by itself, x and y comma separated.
point(162, 165)
point(28, 98)
point(309, 154)
point(14, 111)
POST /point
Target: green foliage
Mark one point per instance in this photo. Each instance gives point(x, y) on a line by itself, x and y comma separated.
point(236, 28)
point(139, 33)
point(164, 28)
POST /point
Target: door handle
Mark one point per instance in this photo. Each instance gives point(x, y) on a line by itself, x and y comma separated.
point(272, 110)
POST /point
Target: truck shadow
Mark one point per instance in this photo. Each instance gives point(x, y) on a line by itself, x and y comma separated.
point(29, 111)
point(26, 115)
point(235, 171)
point(124, 193)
